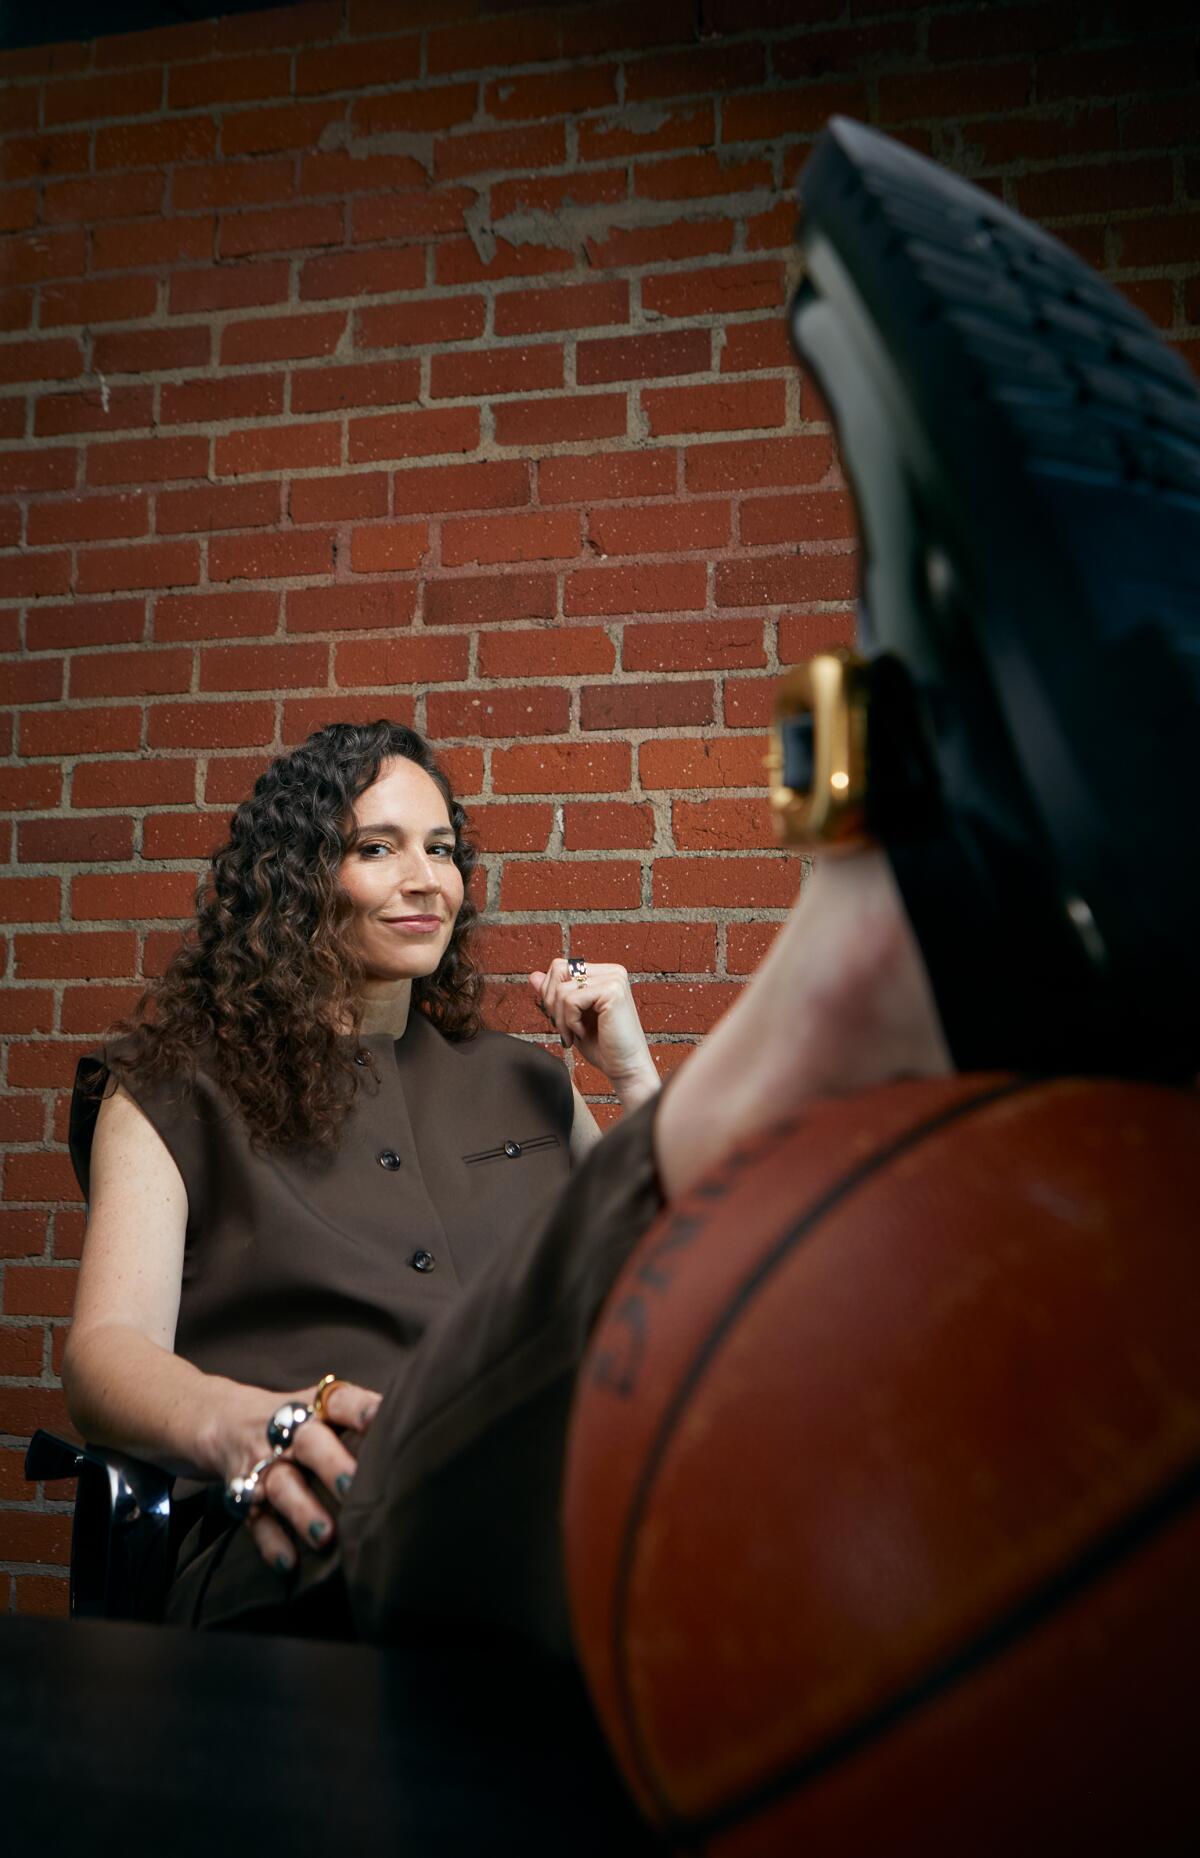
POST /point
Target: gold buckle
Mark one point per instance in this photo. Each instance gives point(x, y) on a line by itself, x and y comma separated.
point(817, 760)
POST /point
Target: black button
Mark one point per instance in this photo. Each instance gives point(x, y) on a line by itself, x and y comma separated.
point(388, 1158)
point(422, 1261)
point(512, 1150)
point(361, 1057)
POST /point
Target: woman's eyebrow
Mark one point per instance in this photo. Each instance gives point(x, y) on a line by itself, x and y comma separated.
point(397, 832)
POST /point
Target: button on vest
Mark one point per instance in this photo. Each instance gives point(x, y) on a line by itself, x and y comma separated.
point(388, 1158)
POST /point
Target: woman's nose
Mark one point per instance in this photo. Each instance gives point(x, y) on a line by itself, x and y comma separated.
point(420, 872)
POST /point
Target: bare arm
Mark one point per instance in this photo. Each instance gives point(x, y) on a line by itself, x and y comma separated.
point(124, 1385)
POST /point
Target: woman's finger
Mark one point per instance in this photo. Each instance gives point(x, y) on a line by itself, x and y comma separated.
point(317, 1447)
point(273, 1542)
point(346, 1404)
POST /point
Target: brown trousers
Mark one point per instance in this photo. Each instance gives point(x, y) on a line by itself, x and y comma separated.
point(453, 1517)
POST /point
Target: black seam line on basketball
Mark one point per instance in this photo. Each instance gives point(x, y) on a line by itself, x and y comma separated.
point(856, 1177)
point(1127, 1535)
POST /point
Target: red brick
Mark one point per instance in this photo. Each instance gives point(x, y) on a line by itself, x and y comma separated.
point(29, 576)
point(561, 767)
point(280, 229)
point(350, 609)
point(753, 464)
point(363, 274)
point(557, 93)
point(722, 406)
point(777, 580)
point(278, 448)
point(263, 667)
point(150, 564)
point(726, 883)
point(1112, 185)
point(606, 825)
point(135, 896)
point(131, 674)
point(24, 1408)
point(529, 39)
point(717, 290)
point(568, 306)
point(607, 476)
point(147, 351)
point(357, 67)
point(962, 91)
point(340, 171)
point(147, 461)
point(421, 111)
point(21, 1353)
point(640, 132)
point(228, 80)
point(152, 46)
point(640, 357)
point(144, 782)
point(558, 651)
point(722, 825)
point(174, 835)
point(371, 383)
point(745, 346)
point(107, 622)
point(818, 516)
point(457, 261)
point(93, 411)
point(493, 370)
point(805, 634)
point(41, 469)
point(121, 244)
point(1154, 297)
point(335, 499)
point(747, 945)
point(706, 176)
point(214, 401)
point(18, 208)
point(432, 489)
point(30, 900)
point(282, 338)
point(59, 359)
point(722, 761)
point(556, 419)
point(89, 519)
point(285, 555)
point(658, 705)
point(407, 325)
point(411, 435)
point(763, 116)
point(542, 536)
point(30, 157)
point(1030, 137)
point(155, 145)
point(515, 948)
point(418, 658)
point(75, 840)
point(303, 715)
point(16, 310)
point(660, 529)
point(78, 731)
point(658, 244)
point(473, 600)
point(266, 131)
point(107, 300)
point(41, 255)
point(749, 702)
point(509, 827)
point(230, 287)
point(91, 99)
point(215, 616)
point(414, 215)
point(582, 884)
point(552, 193)
point(300, 25)
point(701, 72)
point(38, 680)
point(216, 506)
point(537, 710)
point(76, 956)
point(36, 789)
point(241, 183)
point(217, 724)
point(774, 230)
point(677, 587)
point(386, 548)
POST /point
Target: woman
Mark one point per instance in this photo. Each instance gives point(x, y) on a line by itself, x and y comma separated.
point(313, 1160)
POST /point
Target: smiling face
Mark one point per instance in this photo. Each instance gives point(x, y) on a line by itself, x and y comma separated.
point(400, 874)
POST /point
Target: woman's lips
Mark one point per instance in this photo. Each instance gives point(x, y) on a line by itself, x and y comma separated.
point(413, 925)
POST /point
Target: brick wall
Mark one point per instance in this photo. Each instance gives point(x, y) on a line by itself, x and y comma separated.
point(426, 359)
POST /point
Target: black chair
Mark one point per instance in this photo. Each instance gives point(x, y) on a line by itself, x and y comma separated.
point(121, 1551)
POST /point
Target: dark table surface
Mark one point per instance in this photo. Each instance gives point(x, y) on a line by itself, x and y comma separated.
point(131, 1739)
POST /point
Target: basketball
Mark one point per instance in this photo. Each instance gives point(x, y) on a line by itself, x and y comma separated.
point(882, 1494)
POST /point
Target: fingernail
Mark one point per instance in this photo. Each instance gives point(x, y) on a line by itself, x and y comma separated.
point(283, 1563)
point(344, 1482)
point(317, 1531)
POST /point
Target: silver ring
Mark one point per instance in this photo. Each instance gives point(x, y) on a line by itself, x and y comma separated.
point(285, 1422)
point(241, 1494)
point(577, 969)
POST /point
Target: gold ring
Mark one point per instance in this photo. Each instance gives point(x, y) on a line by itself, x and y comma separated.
point(325, 1387)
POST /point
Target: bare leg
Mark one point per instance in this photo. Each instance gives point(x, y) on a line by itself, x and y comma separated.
point(841, 1002)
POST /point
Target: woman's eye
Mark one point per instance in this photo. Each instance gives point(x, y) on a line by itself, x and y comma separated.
point(447, 851)
point(372, 845)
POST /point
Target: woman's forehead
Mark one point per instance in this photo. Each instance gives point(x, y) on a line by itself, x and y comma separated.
point(403, 793)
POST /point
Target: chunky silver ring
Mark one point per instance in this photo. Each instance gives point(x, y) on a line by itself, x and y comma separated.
point(285, 1422)
point(241, 1494)
point(577, 969)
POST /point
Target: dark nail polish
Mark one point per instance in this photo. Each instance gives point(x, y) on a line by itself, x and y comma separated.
point(283, 1563)
point(343, 1483)
point(317, 1531)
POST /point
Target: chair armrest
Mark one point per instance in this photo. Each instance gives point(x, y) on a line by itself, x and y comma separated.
point(120, 1549)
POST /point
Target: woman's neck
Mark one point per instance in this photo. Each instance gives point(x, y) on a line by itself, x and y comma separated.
point(385, 1007)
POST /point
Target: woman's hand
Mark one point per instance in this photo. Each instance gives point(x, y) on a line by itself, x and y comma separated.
point(323, 1454)
point(596, 1016)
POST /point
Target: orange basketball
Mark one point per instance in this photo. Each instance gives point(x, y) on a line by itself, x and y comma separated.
point(882, 1503)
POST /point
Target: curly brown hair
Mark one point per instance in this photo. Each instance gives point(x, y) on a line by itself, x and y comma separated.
point(268, 972)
